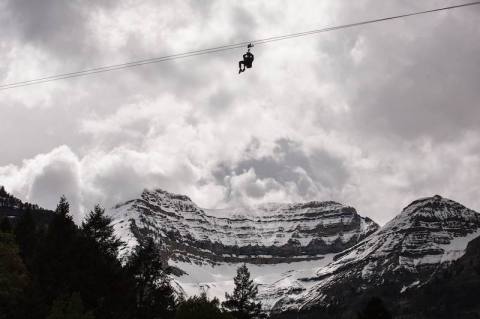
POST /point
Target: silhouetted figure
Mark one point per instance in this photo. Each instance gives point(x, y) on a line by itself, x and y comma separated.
point(247, 60)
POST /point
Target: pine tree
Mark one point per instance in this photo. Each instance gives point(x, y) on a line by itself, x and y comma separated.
point(63, 208)
point(62, 231)
point(154, 294)
point(3, 192)
point(242, 302)
point(98, 227)
point(375, 309)
point(55, 263)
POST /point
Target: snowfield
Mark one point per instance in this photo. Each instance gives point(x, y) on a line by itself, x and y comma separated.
point(274, 281)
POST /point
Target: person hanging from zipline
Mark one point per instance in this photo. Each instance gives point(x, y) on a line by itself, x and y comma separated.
point(247, 60)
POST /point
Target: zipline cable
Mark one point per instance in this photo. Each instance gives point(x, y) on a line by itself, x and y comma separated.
point(218, 49)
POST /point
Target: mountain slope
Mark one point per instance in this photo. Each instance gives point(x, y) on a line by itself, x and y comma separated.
point(427, 236)
point(452, 292)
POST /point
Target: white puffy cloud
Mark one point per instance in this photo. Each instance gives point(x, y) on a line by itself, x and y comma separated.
point(46, 177)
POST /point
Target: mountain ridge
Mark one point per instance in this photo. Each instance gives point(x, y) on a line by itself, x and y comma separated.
point(280, 230)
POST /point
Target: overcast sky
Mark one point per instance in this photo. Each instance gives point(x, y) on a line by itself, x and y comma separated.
point(374, 117)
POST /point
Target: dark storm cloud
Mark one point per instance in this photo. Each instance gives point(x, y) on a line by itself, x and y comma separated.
point(30, 133)
point(244, 21)
point(373, 116)
point(220, 100)
point(417, 77)
point(323, 167)
point(289, 164)
point(131, 181)
point(60, 27)
point(435, 95)
point(58, 178)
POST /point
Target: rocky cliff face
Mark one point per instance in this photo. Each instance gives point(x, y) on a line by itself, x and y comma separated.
point(451, 293)
point(402, 256)
point(271, 233)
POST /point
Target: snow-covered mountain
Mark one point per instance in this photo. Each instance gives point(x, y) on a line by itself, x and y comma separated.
point(309, 259)
point(279, 241)
point(402, 256)
point(270, 233)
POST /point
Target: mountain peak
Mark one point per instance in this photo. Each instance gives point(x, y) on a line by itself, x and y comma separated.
point(425, 201)
point(436, 209)
point(164, 194)
point(168, 200)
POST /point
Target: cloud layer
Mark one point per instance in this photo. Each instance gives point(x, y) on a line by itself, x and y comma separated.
point(374, 117)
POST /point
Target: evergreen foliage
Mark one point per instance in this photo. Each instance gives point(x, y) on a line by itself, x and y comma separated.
point(69, 308)
point(201, 307)
point(98, 227)
point(155, 296)
point(27, 237)
point(242, 303)
point(3, 192)
point(63, 259)
point(8, 200)
point(13, 276)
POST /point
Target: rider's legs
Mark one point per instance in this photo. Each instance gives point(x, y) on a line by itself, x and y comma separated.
point(241, 66)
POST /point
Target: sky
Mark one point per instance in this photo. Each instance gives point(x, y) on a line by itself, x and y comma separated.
point(373, 117)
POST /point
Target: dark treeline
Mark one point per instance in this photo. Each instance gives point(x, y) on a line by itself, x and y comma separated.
point(58, 270)
point(11, 204)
